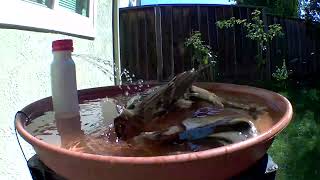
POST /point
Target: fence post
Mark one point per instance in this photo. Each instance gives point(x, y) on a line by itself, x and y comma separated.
point(235, 63)
point(158, 31)
point(268, 61)
point(116, 42)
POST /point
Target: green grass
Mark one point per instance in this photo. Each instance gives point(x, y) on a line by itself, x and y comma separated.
point(297, 148)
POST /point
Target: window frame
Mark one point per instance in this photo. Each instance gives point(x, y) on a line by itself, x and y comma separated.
point(16, 14)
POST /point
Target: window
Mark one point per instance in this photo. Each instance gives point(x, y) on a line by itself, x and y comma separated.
point(72, 17)
point(47, 3)
point(77, 6)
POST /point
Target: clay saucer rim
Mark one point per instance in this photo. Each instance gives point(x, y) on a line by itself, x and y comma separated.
point(220, 151)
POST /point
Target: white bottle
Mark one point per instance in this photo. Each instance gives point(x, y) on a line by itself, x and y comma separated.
point(63, 80)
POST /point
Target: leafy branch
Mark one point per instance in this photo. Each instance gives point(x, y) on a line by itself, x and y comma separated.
point(256, 31)
point(281, 74)
point(202, 54)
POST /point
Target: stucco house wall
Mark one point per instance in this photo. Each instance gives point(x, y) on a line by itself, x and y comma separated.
point(25, 58)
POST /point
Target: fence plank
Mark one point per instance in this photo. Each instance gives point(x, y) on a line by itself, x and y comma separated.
point(152, 57)
point(178, 40)
point(142, 69)
point(158, 34)
point(186, 24)
point(167, 42)
point(152, 42)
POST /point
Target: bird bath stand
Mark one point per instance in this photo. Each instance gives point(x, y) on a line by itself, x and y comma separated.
point(264, 169)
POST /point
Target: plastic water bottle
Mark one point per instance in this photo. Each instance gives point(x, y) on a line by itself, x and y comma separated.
point(63, 80)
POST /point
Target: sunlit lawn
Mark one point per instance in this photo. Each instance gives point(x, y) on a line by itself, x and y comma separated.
point(297, 149)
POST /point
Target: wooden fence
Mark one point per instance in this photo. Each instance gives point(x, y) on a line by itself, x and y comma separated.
point(152, 42)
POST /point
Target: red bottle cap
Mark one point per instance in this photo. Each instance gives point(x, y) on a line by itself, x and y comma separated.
point(62, 45)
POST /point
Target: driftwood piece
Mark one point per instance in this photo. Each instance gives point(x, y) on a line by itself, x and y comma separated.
point(153, 104)
point(177, 93)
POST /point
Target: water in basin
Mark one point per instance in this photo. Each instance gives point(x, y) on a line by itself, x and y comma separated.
point(93, 131)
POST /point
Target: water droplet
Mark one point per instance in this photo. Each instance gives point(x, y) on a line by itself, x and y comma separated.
point(264, 48)
point(126, 93)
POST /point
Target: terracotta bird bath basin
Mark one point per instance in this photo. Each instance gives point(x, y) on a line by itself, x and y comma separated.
point(217, 163)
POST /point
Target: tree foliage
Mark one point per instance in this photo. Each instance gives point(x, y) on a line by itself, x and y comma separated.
point(286, 8)
point(257, 31)
point(311, 9)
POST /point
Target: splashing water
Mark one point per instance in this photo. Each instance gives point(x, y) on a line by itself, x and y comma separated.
point(125, 75)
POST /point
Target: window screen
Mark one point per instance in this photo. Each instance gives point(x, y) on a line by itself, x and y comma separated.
point(77, 6)
point(47, 3)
